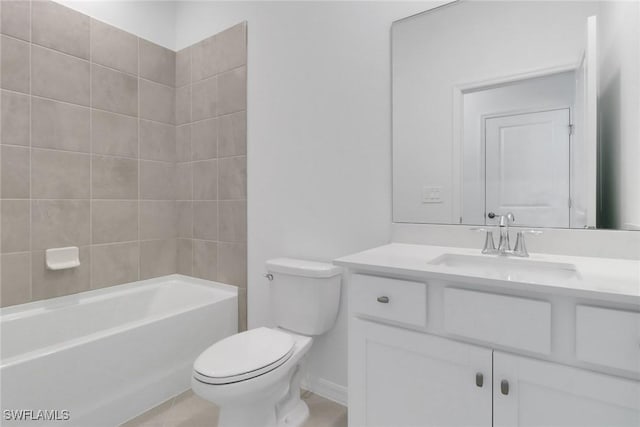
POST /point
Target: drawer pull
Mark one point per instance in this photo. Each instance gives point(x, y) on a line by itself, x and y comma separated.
point(383, 300)
point(504, 387)
point(479, 379)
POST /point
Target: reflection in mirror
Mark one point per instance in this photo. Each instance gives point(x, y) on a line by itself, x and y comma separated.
point(523, 107)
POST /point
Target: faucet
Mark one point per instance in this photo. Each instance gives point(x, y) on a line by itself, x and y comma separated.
point(504, 245)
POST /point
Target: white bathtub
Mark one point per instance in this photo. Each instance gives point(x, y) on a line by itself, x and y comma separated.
point(108, 355)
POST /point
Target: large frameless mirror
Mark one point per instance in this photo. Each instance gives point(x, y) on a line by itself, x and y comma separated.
point(523, 107)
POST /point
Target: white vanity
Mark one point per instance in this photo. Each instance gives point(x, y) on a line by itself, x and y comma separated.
point(446, 336)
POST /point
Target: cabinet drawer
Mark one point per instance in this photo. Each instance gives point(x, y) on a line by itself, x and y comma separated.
point(515, 322)
point(406, 301)
point(608, 337)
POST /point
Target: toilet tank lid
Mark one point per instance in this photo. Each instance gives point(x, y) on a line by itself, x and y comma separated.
point(299, 267)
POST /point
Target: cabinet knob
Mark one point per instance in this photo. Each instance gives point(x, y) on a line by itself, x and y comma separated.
point(383, 300)
point(504, 387)
point(479, 379)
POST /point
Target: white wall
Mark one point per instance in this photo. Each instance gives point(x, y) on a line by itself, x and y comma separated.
point(319, 137)
point(151, 20)
point(461, 45)
point(619, 110)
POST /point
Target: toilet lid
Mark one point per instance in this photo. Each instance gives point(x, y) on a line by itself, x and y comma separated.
point(244, 355)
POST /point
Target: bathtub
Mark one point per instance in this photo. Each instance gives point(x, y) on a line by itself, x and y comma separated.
point(101, 357)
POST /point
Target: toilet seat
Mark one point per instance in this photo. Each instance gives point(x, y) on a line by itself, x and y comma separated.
point(243, 356)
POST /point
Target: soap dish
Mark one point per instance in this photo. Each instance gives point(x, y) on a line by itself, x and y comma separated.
point(63, 258)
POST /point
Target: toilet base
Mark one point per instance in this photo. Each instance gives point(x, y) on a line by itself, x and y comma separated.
point(292, 411)
point(264, 416)
point(257, 415)
point(296, 417)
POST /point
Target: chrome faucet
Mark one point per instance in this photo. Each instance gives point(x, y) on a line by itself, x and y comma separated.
point(504, 245)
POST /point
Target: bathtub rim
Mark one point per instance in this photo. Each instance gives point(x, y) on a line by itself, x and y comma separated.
point(27, 309)
point(19, 310)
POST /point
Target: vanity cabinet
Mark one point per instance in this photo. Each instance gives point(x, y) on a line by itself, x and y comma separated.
point(549, 394)
point(402, 378)
point(407, 379)
point(442, 353)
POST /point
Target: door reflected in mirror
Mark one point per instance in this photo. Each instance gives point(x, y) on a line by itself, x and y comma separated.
point(508, 107)
point(517, 155)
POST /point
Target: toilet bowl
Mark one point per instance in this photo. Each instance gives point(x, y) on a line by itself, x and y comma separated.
point(254, 376)
point(258, 386)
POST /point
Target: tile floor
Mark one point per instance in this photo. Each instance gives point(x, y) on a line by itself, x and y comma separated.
point(188, 410)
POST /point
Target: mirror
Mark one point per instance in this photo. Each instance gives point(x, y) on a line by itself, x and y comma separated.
point(519, 106)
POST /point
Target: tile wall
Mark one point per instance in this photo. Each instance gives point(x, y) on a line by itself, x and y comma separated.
point(90, 154)
point(211, 152)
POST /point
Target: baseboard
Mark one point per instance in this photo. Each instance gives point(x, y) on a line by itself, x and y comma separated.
point(326, 389)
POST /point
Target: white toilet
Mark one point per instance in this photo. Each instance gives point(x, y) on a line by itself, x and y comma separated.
point(254, 376)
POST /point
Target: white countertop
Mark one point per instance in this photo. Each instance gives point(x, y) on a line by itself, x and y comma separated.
point(607, 279)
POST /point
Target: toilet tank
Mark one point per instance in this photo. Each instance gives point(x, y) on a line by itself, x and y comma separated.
point(305, 295)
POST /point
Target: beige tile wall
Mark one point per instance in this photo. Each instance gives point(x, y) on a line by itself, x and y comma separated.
point(211, 147)
point(133, 153)
point(88, 145)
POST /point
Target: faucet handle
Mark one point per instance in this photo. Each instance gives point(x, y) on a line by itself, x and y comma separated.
point(521, 248)
point(489, 244)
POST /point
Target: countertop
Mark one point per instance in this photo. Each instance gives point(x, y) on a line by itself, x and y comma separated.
point(608, 279)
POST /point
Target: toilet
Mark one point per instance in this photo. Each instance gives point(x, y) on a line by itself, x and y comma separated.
point(254, 376)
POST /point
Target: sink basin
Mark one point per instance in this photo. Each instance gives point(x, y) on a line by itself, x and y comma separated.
point(515, 269)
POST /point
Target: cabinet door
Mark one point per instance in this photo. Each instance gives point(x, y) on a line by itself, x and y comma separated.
point(403, 378)
point(548, 394)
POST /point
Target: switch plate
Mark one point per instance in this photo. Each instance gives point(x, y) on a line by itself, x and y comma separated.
point(431, 194)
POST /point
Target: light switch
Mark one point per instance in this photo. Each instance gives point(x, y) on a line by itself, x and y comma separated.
point(431, 194)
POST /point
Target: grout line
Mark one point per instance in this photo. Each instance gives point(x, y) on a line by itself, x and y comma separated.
point(115, 243)
point(91, 158)
point(114, 156)
point(16, 39)
point(226, 242)
point(40, 46)
point(123, 242)
point(17, 92)
point(30, 150)
point(79, 153)
point(219, 73)
point(86, 199)
point(217, 181)
point(87, 153)
point(153, 81)
point(17, 253)
point(138, 156)
point(10, 36)
point(61, 101)
point(215, 117)
point(193, 175)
